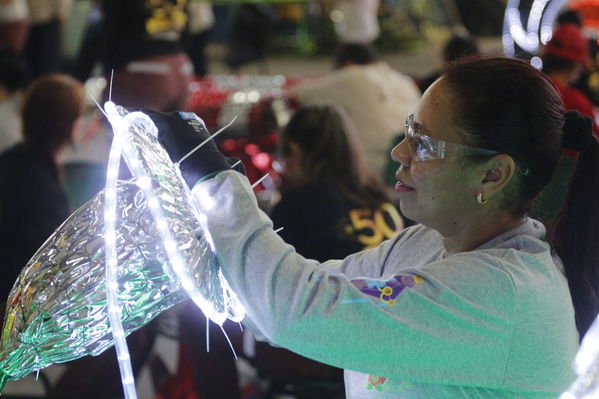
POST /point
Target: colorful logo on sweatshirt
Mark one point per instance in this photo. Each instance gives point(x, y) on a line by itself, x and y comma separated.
point(383, 383)
point(386, 291)
point(376, 382)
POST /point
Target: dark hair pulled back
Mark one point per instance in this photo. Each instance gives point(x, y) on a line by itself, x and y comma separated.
point(575, 232)
point(507, 105)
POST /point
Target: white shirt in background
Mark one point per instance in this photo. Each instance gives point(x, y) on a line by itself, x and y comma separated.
point(13, 10)
point(42, 11)
point(10, 123)
point(358, 21)
point(376, 97)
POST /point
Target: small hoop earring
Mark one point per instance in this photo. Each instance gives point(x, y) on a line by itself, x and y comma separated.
point(479, 198)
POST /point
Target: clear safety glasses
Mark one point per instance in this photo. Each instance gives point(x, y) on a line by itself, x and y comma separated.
point(425, 148)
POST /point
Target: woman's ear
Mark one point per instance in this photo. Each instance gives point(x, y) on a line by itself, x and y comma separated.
point(497, 173)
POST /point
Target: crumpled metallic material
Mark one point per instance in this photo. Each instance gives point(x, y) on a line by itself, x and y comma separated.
point(56, 311)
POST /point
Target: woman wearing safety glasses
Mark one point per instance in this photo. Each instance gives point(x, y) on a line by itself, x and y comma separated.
point(472, 302)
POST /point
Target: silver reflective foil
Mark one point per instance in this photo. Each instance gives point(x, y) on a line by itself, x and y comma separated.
point(56, 311)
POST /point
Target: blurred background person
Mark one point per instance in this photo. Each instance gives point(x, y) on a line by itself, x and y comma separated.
point(143, 45)
point(588, 79)
point(44, 42)
point(33, 202)
point(200, 22)
point(251, 31)
point(375, 96)
point(588, 82)
point(13, 24)
point(90, 49)
point(569, 16)
point(331, 204)
point(564, 58)
point(356, 21)
point(457, 46)
point(13, 79)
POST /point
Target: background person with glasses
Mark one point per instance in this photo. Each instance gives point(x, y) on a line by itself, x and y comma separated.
point(472, 302)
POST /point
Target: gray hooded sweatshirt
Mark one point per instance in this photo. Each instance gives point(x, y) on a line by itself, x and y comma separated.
point(403, 319)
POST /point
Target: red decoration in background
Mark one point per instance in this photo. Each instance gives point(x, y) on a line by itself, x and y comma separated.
point(205, 100)
point(262, 160)
point(255, 159)
point(180, 385)
point(588, 10)
point(256, 148)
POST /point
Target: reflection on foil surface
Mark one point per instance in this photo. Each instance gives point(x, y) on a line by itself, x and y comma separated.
point(56, 311)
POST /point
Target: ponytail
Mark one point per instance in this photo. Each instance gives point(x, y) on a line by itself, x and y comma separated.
point(575, 232)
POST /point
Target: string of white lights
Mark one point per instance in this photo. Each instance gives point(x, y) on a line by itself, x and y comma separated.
point(166, 235)
point(110, 244)
point(549, 17)
point(121, 145)
point(538, 27)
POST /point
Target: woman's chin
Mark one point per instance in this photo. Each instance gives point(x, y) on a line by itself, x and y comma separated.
point(408, 211)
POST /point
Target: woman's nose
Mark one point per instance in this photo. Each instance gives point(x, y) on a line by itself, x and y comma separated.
point(401, 153)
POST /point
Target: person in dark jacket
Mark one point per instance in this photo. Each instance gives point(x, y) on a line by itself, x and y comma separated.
point(143, 46)
point(33, 202)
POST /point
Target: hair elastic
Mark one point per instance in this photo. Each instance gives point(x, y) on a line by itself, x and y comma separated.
point(578, 131)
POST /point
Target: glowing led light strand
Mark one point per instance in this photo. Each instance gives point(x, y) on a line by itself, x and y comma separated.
point(166, 235)
point(111, 261)
point(542, 14)
point(527, 39)
point(121, 144)
point(534, 17)
point(114, 310)
point(548, 17)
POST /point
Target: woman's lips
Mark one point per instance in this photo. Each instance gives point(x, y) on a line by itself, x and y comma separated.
point(400, 186)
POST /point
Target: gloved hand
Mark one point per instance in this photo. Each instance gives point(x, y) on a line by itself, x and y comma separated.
point(181, 132)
